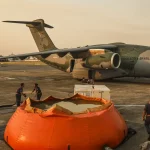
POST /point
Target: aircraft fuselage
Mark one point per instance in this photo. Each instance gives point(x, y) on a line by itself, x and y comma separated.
point(135, 62)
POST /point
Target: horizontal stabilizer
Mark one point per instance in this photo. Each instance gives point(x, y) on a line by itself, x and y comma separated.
point(30, 22)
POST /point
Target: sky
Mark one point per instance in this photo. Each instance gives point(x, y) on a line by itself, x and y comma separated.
point(76, 23)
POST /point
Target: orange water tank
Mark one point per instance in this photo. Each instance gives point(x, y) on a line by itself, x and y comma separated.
point(56, 128)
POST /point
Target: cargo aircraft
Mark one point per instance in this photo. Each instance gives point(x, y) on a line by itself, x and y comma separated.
point(98, 62)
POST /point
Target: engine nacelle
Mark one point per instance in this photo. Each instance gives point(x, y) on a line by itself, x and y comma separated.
point(103, 61)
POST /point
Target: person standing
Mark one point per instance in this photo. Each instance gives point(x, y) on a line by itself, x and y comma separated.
point(19, 93)
point(38, 91)
point(146, 118)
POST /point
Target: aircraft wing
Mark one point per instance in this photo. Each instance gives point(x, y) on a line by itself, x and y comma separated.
point(75, 52)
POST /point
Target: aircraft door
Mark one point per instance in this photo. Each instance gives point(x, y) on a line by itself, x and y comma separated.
point(72, 63)
point(131, 68)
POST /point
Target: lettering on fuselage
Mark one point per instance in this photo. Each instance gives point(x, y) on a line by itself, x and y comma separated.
point(136, 58)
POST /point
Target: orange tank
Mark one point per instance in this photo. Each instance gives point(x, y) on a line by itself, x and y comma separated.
point(37, 126)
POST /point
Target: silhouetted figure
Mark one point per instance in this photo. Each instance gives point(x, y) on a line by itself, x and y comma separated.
point(19, 93)
point(83, 80)
point(146, 118)
point(38, 91)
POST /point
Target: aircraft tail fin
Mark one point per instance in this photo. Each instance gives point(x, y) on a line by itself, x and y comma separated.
point(37, 28)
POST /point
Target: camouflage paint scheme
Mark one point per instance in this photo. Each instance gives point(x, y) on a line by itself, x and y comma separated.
point(103, 61)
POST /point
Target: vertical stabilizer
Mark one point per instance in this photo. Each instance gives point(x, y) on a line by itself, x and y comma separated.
point(37, 28)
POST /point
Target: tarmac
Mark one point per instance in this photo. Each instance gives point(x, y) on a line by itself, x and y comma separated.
point(128, 94)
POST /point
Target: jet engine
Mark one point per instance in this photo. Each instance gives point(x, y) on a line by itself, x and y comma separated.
point(106, 60)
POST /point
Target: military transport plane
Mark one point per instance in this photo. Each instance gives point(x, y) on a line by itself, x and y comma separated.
point(102, 61)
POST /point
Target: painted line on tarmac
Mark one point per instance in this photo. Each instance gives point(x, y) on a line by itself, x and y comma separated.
point(129, 105)
point(135, 122)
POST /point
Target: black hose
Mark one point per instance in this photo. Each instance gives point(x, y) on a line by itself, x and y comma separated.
point(8, 105)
